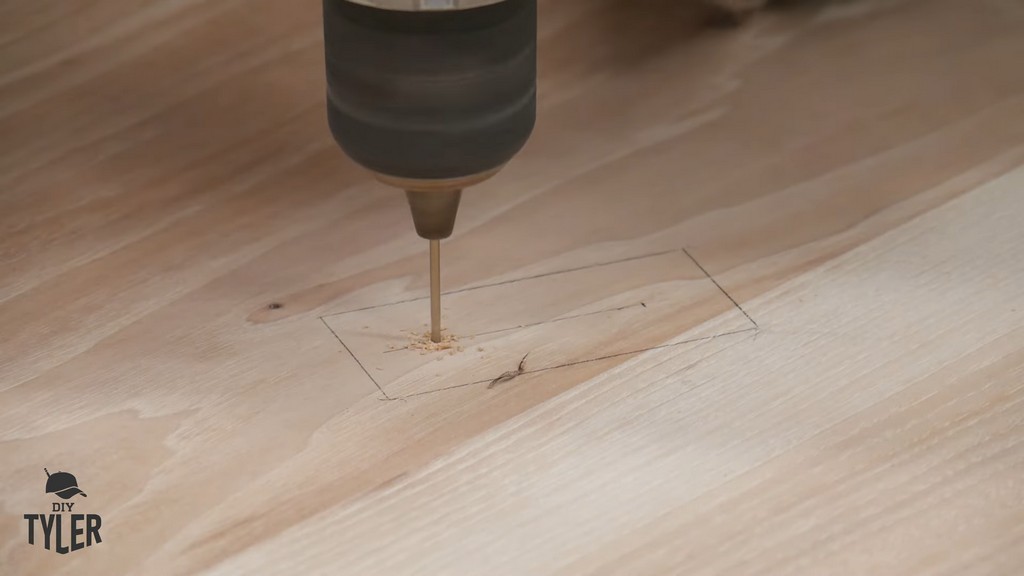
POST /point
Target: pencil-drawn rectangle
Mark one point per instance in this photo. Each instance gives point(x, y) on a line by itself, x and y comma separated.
point(557, 319)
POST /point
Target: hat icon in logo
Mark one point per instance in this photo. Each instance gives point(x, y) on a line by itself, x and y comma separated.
point(62, 484)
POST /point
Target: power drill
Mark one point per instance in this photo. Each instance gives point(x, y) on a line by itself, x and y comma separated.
point(432, 96)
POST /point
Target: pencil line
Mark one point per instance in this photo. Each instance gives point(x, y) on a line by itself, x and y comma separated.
point(556, 320)
point(350, 353)
point(736, 304)
point(720, 289)
point(505, 282)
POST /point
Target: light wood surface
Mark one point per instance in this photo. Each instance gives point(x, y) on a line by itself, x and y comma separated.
point(769, 280)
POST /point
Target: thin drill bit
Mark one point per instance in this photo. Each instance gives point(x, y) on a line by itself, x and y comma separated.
point(435, 290)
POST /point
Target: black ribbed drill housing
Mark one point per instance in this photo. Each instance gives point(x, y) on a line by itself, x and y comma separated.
point(431, 95)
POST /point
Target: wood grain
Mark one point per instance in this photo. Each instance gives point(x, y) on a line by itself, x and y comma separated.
point(179, 235)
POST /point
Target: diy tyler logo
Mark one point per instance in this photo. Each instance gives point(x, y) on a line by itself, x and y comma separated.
point(82, 530)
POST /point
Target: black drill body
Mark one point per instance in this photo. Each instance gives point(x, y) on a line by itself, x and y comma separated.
point(431, 101)
point(433, 94)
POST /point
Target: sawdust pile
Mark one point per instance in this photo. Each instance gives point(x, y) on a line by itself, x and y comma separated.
point(421, 341)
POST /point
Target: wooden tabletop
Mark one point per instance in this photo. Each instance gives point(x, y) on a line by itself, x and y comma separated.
point(767, 282)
